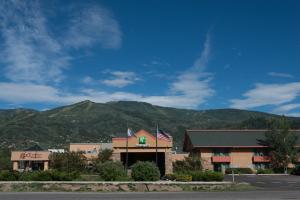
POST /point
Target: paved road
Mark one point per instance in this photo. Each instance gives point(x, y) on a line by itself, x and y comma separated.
point(266, 195)
point(274, 182)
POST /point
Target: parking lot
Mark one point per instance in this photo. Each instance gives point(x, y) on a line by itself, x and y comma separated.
point(270, 182)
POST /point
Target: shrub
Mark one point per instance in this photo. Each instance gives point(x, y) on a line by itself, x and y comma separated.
point(111, 171)
point(145, 171)
point(51, 175)
point(207, 176)
point(183, 177)
point(68, 161)
point(264, 171)
point(124, 178)
point(170, 177)
point(8, 176)
point(105, 155)
point(187, 165)
point(296, 170)
point(239, 170)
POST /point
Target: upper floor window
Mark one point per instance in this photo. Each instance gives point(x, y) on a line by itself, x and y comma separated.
point(261, 152)
point(221, 152)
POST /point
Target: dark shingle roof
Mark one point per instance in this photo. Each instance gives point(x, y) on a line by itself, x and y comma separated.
point(228, 138)
point(34, 148)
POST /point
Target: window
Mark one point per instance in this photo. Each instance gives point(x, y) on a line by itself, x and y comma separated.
point(261, 152)
point(221, 152)
point(261, 166)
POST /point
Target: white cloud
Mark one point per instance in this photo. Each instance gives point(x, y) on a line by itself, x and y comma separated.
point(284, 109)
point(189, 90)
point(88, 80)
point(94, 25)
point(34, 93)
point(293, 114)
point(194, 84)
point(32, 52)
point(268, 94)
point(27, 93)
point(120, 79)
point(281, 75)
point(29, 51)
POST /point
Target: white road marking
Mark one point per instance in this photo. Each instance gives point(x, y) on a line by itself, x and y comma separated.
point(292, 182)
point(277, 182)
point(260, 182)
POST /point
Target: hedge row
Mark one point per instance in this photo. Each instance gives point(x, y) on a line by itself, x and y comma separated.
point(196, 176)
point(50, 175)
point(239, 170)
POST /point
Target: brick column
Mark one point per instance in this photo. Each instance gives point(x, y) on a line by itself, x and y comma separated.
point(168, 163)
point(116, 156)
point(15, 165)
point(46, 165)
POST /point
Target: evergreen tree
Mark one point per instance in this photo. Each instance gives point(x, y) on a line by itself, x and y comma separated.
point(282, 143)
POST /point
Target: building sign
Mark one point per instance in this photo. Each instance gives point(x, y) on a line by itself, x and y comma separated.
point(26, 155)
point(142, 142)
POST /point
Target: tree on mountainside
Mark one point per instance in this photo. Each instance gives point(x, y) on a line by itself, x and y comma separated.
point(282, 143)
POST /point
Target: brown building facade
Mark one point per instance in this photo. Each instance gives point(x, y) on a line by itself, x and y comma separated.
point(221, 149)
point(34, 158)
point(142, 147)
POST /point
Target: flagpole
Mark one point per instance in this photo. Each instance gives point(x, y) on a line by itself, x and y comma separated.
point(126, 162)
point(156, 145)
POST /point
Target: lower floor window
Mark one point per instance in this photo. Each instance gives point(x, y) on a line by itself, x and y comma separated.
point(219, 167)
point(261, 165)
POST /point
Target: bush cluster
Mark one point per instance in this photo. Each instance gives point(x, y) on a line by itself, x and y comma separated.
point(50, 175)
point(187, 165)
point(264, 171)
point(169, 177)
point(239, 170)
point(111, 171)
point(183, 177)
point(296, 170)
point(207, 176)
point(145, 171)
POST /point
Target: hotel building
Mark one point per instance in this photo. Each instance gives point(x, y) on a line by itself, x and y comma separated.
point(221, 149)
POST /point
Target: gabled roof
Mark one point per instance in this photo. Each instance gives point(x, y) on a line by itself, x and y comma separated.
point(225, 138)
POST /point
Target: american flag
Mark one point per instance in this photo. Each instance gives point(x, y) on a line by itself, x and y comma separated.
point(163, 135)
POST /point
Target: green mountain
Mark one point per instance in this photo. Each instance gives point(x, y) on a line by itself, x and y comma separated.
point(97, 122)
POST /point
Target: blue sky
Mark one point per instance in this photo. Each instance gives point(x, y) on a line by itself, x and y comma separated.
point(187, 54)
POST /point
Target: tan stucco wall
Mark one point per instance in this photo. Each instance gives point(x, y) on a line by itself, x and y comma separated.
point(84, 147)
point(179, 156)
point(241, 158)
point(205, 155)
point(30, 155)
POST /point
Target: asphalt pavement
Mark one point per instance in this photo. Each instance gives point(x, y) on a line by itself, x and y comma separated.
point(269, 182)
point(269, 187)
point(249, 195)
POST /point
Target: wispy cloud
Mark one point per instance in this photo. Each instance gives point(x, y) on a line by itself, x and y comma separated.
point(281, 75)
point(268, 94)
point(194, 83)
point(120, 79)
point(189, 90)
point(94, 25)
point(284, 109)
point(31, 52)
